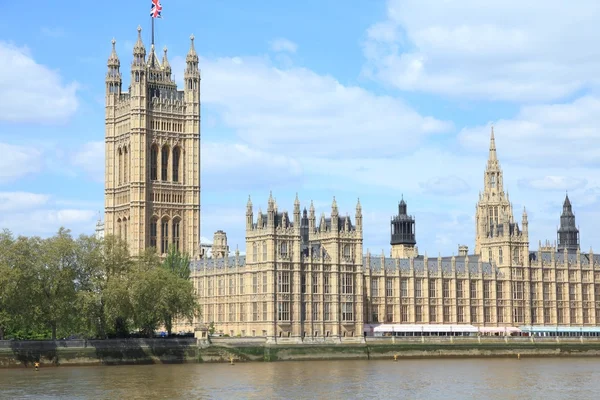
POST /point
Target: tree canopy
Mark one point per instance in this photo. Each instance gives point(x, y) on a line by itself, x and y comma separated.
point(63, 286)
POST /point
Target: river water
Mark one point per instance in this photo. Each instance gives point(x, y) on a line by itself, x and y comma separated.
point(540, 378)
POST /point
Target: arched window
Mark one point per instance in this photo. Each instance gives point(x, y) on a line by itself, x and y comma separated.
point(284, 249)
point(125, 230)
point(125, 165)
point(347, 250)
point(165, 163)
point(119, 166)
point(176, 157)
point(500, 256)
point(119, 227)
point(153, 232)
point(516, 255)
point(264, 251)
point(490, 255)
point(254, 252)
point(176, 234)
point(164, 236)
point(154, 162)
point(493, 180)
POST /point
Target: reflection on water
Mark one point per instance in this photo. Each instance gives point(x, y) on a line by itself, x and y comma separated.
point(573, 378)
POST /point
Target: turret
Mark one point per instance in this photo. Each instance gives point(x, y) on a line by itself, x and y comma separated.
point(358, 217)
point(568, 233)
point(271, 211)
point(249, 214)
point(297, 213)
point(165, 64)
point(312, 219)
point(525, 222)
point(113, 74)
point(334, 216)
point(191, 75)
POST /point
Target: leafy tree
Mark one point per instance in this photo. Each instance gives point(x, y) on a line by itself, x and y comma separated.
point(54, 290)
point(177, 263)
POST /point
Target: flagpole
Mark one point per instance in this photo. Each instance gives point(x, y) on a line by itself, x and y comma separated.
point(152, 18)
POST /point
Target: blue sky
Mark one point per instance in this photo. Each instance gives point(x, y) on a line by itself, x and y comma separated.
point(369, 99)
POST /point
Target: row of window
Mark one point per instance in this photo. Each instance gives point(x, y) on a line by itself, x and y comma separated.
point(167, 126)
point(167, 171)
point(170, 234)
point(259, 282)
point(283, 250)
point(258, 312)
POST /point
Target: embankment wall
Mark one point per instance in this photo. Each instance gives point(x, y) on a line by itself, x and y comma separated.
point(222, 349)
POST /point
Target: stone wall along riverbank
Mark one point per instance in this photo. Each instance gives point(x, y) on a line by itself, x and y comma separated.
point(97, 352)
point(222, 349)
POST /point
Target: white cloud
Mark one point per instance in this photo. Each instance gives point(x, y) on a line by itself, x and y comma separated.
point(90, 157)
point(283, 45)
point(237, 166)
point(31, 92)
point(296, 111)
point(509, 50)
point(10, 201)
point(18, 161)
point(564, 135)
point(26, 213)
point(445, 185)
point(553, 182)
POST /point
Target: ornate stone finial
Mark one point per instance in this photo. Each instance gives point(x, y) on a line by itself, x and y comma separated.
point(192, 38)
point(114, 42)
point(139, 29)
point(165, 50)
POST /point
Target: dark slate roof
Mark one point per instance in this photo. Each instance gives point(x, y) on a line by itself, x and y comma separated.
point(281, 219)
point(390, 264)
point(559, 256)
point(341, 223)
point(218, 263)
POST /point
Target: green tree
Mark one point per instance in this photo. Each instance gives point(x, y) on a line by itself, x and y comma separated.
point(54, 289)
point(177, 263)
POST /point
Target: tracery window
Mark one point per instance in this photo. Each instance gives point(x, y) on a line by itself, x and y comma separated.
point(154, 162)
point(165, 163)
point(164, 233)
point(176, 157)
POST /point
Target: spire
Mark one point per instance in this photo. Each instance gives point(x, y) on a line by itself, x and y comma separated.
point(139, 50)
point(334, 206)
point(153, 59)
point(358, 206)
point(493, 156)
point(191, 55)
point(113, 60)
point(297, 201)
point(249, 205)
point(113, 75)
point(165, 62)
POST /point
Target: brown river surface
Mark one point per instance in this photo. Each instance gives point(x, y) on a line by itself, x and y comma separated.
point(541, 378)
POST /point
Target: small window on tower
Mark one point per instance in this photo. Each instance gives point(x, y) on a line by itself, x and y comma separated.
point(493, 181)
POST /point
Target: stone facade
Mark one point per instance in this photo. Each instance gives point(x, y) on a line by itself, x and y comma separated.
point(304, 277)
point(301, 276)
point(152, 175)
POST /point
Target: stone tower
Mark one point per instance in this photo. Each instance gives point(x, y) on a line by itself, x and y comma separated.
point(403, 235)
point(498, 238)
point(220, 249)
point(152, 175)
point(568, 234)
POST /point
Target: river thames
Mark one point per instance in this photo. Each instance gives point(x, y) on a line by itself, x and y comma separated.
point(539, 378)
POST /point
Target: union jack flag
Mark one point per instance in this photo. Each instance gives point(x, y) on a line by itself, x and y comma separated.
point(156, 9)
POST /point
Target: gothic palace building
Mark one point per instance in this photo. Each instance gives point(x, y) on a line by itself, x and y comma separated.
point(305, 275)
